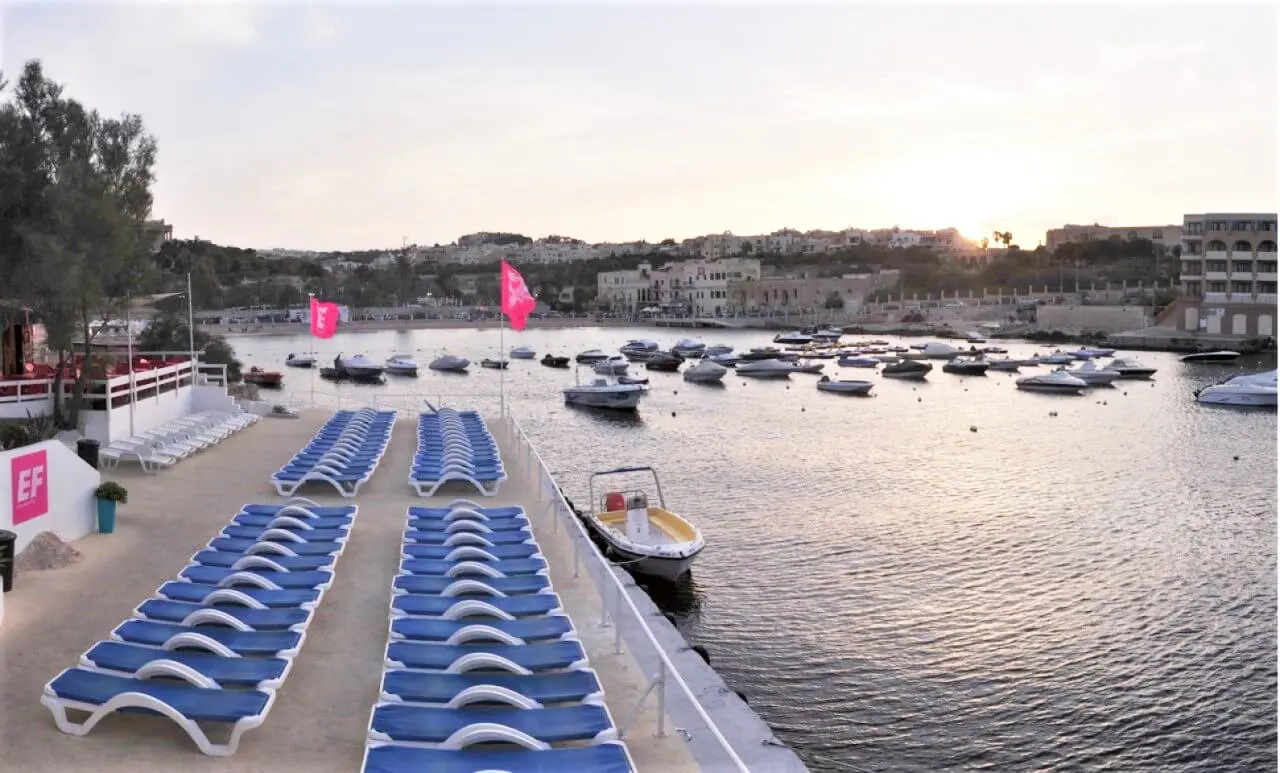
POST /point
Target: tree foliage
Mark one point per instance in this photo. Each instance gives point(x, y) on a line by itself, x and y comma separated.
point(75, 190)
point(168, 333)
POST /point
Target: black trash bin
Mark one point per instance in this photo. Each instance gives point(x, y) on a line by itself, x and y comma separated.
point(8, 541)
point(88, 451)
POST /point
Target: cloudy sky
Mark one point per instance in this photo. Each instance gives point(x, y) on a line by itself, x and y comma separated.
point(350, 126)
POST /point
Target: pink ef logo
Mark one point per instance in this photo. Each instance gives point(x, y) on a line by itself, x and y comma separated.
point(30, 486)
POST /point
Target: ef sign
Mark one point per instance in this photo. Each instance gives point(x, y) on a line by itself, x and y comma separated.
point(30, 486)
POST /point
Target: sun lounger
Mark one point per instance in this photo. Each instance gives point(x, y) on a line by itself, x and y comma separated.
point(142, 662)
point(455, 448)
point(460, 690)
point(267, 548)
point(506, 568)
point(261, 561)
point(472, 586)
point(403, 723)
point(287, 534)
point(460, 658)
point(187, 613)
point(607, 757)
point(522, 631)
point(216, 595)
point(471, 552)
point(454, 608)
point(344, 453)
point(461, 534)
point(187, 705)
point(220, 640)
point(212, 575)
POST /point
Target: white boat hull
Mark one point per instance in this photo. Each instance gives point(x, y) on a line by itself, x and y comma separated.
point(618, 400)
point(402, 370)
point(1216, 395)
point(1051, 389)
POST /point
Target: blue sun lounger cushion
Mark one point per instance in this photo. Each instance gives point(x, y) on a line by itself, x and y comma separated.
point(184, 613)
point(137, 660)
point(434, 725)
point(217, 595)
point(460, 690)
point(344, 453)
point(608, 757)
point(454, 608)
point(551, 656)
point(455, 448)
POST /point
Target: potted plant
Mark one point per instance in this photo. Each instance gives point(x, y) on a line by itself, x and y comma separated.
point(109, 493)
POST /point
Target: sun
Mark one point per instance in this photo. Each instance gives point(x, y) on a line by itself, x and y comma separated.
point(974, 232)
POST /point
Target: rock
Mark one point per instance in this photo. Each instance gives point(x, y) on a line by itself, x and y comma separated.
point(46, 551)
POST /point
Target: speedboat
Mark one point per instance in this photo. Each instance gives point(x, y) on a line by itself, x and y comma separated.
point(1056, 358)
point(1250, 389)
point(647, 540)
point(614, 366)
point(689, 348)
point(794, 337)
point(633, 379)
point(1092, 375)
point(827, 334)
point(994, 350)
point(522, 353)
point(639, 350)
point(766, 369)
point(1089, 352)
point(664, 362)
point(360, 367)
point(592, 355)
point(1224, 355)
point(761, 353)
point(1004, 365)
point(860, 361)
point(907, 369)
point(401, 366)
point(555, 362)
point(489, 362)
point(1053, 382)
point(964, 366)
point(717, 349)
point(975, 337)
point(807, 366)
point(937, 351)
point(1130, 368)
point(450, 363)
point(844, 387)
point(264, 378)
point(705, 372)
point(727, 360)
point(300, 361)
point(604, 392)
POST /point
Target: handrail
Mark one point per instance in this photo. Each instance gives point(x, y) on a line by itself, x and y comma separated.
point(621, 590)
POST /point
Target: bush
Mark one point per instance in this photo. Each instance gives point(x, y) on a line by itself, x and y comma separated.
point(17, 433)
point(112, 492)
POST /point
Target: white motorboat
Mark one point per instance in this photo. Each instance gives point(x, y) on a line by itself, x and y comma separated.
point(705, 372)
point(727, 360)
point(938, 351)
point(794, 338)
point(592, 355)
point(1004, 365)
point(604, 392)
point(974, 337)
point(1250, 389)
point(844, 386)
point(450, 363)
point(614, 366)
point(498, 364)
point(522, 353)
point(639, 350)
point(861, 361)
point(827, 334)
point(1053, 382)
point(806, 366)
point(907, 369)
point(1224, 355)
point(360, 367)
point(300, 361)
point(966, 366)
point(399, 365)
point(1056, 358)
point(689, 348)
point(717, 349)
point(647, 540)
point(762, 353)
point(1089, 352)
point(766, 369)
point(1130, 368)
point(1092, 375)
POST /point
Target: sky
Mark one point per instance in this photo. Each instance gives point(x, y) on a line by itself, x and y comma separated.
point(352, 126)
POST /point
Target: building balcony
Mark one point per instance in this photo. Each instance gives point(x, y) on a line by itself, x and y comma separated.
point(1215, 276)
point(1267, 277)
point(1216, 255)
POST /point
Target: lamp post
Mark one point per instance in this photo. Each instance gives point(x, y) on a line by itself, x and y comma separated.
point(191, 328)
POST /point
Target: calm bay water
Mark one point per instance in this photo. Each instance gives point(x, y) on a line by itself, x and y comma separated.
point(1094, 590)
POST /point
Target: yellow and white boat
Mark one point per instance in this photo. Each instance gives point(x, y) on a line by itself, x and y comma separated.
point(647, 540)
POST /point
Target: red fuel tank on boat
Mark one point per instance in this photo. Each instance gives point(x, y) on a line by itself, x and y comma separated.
point(614, 501)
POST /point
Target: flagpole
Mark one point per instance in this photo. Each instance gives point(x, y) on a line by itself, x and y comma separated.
point(502, 371)
point(311, 348)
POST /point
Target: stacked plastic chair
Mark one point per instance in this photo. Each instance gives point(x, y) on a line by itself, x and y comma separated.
point(455, 446)
point(484, 671)
point(213, 646)
point(344, 453)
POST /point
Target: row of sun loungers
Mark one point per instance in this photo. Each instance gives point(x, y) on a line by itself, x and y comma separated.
point(455, 446)
point(174, 441)
point(344, 453)
point(213, 646)
point(484, 671)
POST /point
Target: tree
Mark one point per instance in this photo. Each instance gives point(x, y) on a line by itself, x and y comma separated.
point(168, 333)
point(76, 195)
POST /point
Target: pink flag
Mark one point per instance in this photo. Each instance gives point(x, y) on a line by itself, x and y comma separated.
point(517, 303)
point(324, 318)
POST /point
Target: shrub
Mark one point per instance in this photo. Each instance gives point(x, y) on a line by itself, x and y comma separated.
point(112, 492)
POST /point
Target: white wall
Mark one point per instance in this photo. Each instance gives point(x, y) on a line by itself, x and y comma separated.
point(148, 413)
point(72, 510)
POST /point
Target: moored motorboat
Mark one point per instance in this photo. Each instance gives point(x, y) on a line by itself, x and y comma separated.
point(633, 379)
point(398, 365)
point(664, 362)
point(766, 369)
point(860, 361)
point(940, 351)
point(359, 367)
point(844, 386)
point(450, 363)
point(1054, 382)
point(1130, 368)
point(806, 366)
point(647, 540)
point(727, 360)
point(300, 361)
point(614, 366)
point(965, 366)
point(1222, 355)
point(794, 337)
point(1055, 358)
point(907, 369)
point(592, 355)
point(1092, 375)
point(522, 353)
point(604, 392)
point(1004, 365)
point(715, 350)
point(263, 378)
point(498, 364)
point(1248, 389)
point(762, 353)
point(639, 350)
point(552, 361)
point(689, 348)
point(974, 337)
point(705, 372)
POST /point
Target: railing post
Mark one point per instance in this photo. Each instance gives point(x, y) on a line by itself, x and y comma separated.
point(618, 591)
point(604, 606)
point(662, 698)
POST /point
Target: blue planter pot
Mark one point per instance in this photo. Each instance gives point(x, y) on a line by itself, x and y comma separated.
point(106, 516)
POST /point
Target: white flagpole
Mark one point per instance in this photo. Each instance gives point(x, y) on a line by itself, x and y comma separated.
point(502, 371)
point(191, 328)
point(311, 349)
point(133, 383)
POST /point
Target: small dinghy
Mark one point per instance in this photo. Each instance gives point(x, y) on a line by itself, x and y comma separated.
point(449, 363)
point(963, 366)
point(705, 372)
point(300, 361)
point(844, 387)
point(632, 380)
point(488, 362)
point(522, 353)
point(555, 362)
point(647, 540)
point(907, 369)
point(263, 378)
point(398, 365)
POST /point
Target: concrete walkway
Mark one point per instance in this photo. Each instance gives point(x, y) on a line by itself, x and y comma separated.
point(320, 717)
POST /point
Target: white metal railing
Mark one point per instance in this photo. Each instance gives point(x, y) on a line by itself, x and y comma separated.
point(667, 673)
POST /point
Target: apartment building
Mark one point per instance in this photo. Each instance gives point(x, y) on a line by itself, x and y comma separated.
point(1228, 273)
point(697, 287)
point(806, 293)
point(1167, 236)
point(628, 290)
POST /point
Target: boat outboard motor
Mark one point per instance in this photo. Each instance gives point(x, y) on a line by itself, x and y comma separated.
point(637, 517)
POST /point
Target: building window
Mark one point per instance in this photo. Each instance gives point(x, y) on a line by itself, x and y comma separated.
point(1241, 267)
point(1242, 287)
point(1157, 235)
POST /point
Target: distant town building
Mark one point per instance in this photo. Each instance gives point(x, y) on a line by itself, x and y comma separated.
point(808, 293)
point(697, 287)
point(156, 233)
point(1167, 236)
point(1229, 257)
